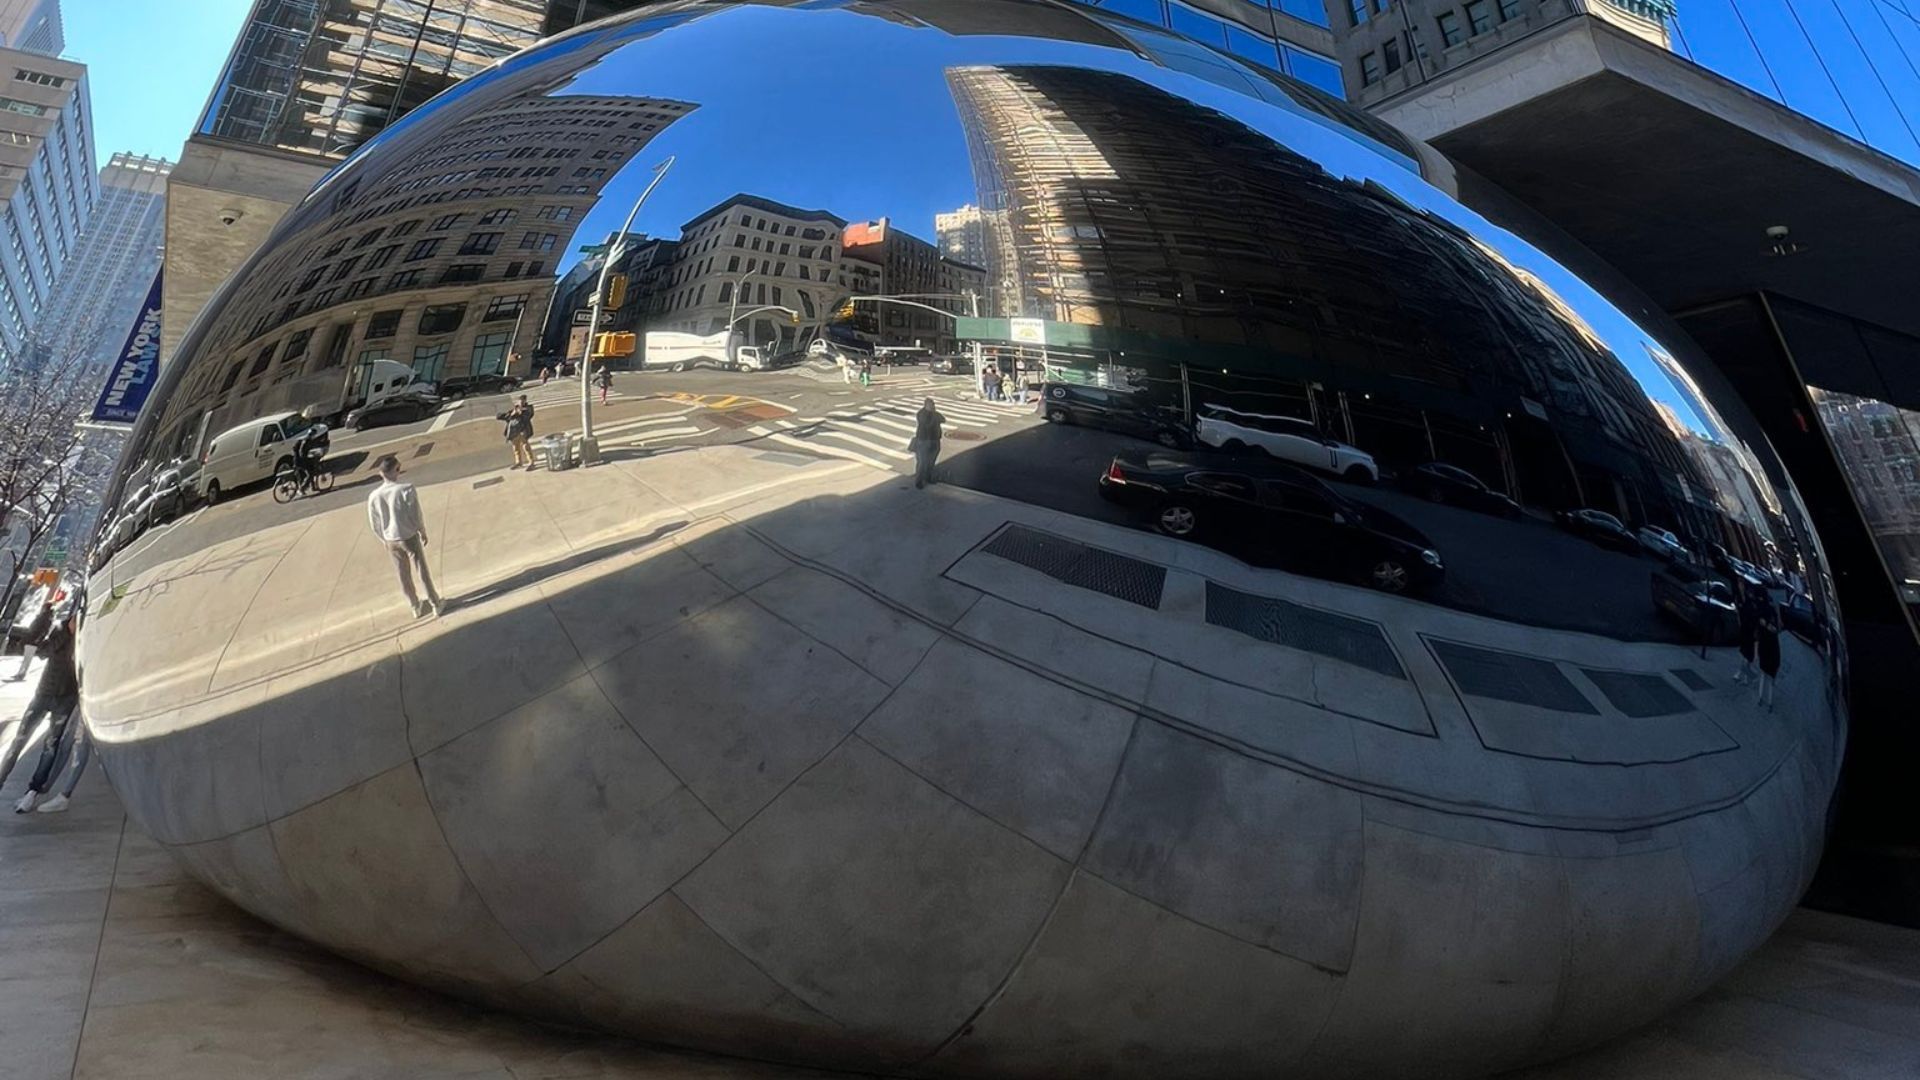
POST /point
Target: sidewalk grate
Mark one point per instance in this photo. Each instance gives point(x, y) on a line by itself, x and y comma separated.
point(1296, 626)
point(1639, 695)
point(1505, 676)
point(1077, 564)
point(1692, 679)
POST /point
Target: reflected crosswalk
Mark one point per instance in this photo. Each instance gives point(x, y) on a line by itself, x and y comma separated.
point(877, 433)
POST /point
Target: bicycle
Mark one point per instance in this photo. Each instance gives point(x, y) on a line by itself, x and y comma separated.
point(291, 483)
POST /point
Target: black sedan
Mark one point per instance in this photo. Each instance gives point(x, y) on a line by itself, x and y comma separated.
point(1599, 527)
point(1275, 515)
point(401, 409)
point(1122, 411)
point(951, 365)
point(1438, 482)
point(465, 386)
point(1702, 603)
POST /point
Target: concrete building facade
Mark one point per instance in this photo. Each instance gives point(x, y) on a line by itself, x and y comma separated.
point(912, 268)
point(48, 184)
point(32, 26)
point(99, 297)
point(962, 235)
point(750, 252)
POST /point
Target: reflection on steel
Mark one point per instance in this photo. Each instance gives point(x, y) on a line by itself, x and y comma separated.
point(1339, 639)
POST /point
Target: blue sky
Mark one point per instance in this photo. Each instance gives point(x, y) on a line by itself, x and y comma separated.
point(150, 66)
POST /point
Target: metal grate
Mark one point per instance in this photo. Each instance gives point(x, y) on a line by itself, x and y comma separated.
point(1639, 695)
point(1077, 564)
point(1692, 679)
point(1504, 676)
point(1341, 637)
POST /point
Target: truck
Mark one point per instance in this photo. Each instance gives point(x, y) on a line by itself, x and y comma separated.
point(669, 350)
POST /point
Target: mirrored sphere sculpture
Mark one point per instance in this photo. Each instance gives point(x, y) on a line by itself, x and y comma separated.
point(1091, 558)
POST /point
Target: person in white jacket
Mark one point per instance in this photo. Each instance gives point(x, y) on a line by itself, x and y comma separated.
point(393, 510)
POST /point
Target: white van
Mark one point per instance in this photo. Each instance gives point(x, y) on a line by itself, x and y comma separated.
point(672, 350)
point(247, 454)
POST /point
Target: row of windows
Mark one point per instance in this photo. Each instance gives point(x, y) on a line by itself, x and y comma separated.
point(39, 78)
point(1481, 17)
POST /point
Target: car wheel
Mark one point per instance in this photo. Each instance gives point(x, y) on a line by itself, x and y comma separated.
point(213, 492)
point(1388, 575)
point(676, 366)
point(1177, 519)
point(1168, 439)
point(1234, 446)
point(1058, 416)
point(1358, 474)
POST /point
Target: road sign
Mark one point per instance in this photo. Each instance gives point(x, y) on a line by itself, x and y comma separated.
point(1028, 331)
point(583, 317)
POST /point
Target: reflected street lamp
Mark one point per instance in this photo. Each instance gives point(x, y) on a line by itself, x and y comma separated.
point(590, 447)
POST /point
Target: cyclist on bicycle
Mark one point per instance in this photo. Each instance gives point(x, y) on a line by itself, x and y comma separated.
point(307, 450)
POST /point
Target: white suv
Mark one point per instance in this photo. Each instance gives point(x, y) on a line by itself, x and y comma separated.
point(1287, 439)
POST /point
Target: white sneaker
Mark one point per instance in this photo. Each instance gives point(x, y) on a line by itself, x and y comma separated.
point(25, 805)
point(54, 805)
point(436, 606)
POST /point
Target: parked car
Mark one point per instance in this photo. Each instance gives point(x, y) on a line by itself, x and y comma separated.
point(1122, 411)
point(404, 409)
point(1662, 543)
point(165, 499)
point(1598, 527)
point(1698, 601)
point(1275, 515)
point(465, 386)
point(1438, 482)
point(951, 365)
point(1287, 438)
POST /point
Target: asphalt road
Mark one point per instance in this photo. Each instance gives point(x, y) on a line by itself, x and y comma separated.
point(1523, 571)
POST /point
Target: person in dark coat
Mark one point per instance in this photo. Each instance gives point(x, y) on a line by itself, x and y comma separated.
point(1766, 650)
point(1747, 604)
point(55, 699)
point(30, 638)
point(926, 442)
point(520, 431)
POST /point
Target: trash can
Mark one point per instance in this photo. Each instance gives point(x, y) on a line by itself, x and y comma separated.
point(559, 452)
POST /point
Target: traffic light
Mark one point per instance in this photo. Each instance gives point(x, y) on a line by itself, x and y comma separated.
point(619, 343)
point(616, 291)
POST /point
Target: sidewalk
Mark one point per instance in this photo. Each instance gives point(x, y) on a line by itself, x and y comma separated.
point(115, 966)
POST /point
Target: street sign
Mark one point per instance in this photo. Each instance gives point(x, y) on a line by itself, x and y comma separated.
point(583, 317)
point(132, 375)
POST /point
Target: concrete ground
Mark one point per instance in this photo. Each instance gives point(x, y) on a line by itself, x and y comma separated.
point(114, 966)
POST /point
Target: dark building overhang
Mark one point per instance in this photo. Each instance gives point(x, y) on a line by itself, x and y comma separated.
point(1674, 174)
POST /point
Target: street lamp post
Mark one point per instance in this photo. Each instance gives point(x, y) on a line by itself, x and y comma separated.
point(733, 307)
point(589, 446)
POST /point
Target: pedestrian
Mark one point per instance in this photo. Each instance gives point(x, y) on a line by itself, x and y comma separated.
point(605, 379)
point(1746, 606)
point(1767, 652)
point(846, 369)
point(79, 754)
point(1020, 381)
point(520, 431)
point(546, 372)
point(926, 442)
point(866, 371)
point(55, 698)
point(29, 638)
point(994, 384)
point(393, 511)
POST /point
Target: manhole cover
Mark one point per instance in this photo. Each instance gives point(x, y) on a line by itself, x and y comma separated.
point(964, 436)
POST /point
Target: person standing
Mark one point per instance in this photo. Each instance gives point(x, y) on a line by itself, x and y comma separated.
point(846, 369)
point(79, 755)
point(30, 638)
point(393, 511)
point(55, 698)
point(605, 381)
point(866, 371)
point(1746, 607)
point(926, 442)
point(520, 431)
point(1766, 650)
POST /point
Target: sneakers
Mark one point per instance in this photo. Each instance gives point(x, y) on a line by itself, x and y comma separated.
point(436, 605)
point(26, 803)
point(54, 805)
point(420, 609)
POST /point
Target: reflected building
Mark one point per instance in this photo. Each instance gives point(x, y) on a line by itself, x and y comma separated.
point(443, 262)
point(48, 183)
point(744, 253)
point(901, 264)
point(962, 235)
point(100, 296)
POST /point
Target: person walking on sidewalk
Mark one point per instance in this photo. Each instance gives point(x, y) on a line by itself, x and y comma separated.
point(79, 755)
point(926, 442)
point(393, 510)
point(605, 381)
point(55, 698)
point(30, 638)
point(520, 431)
point(1766, 648)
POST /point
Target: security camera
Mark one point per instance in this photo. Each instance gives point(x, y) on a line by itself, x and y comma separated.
point(1776, 232)
point(231, 215)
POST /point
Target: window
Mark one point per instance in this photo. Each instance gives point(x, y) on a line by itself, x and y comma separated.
point(780, 269)
point(538, 241)
point(261, 361)
point(442, 318)
point(1369, 69)
point(536, 267)
point(322, 299)
point(504, 307)
point(1450, 32)
point(368, 356)
point(1359, 11)
point(740, 241)
point(726, 292)
point(1201, 28)
point(344, 268)
point(502, 216)
point(733, 264)
point(806, 302)
point(481, 243)
point(489, 354)
point(405, 279)
point(462, 273)
point(423, 249)
point(442, 224)
point(381, 256)
point(1509, 9)
point(367, 239)
point(1480, 16)
point(1253, 47)
point(1390, 55)
point(311, 279)
point(297, 344)
point(786, 249)
point(24, 108)
point(776, 294)
point(39, 78)
point(806, 251)
point(360, 288)
point(403, 229)
point(384, 324)
point(1313, 11)
point(555, 213)
point(428, 360)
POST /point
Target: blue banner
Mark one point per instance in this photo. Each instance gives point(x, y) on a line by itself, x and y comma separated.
point(133, 373)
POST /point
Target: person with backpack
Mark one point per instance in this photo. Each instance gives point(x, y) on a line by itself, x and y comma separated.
point(520, 431)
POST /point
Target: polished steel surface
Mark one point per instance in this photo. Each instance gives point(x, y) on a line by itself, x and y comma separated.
point(1321, 650)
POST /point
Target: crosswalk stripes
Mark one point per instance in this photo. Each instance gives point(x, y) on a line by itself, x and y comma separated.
point(874, 434)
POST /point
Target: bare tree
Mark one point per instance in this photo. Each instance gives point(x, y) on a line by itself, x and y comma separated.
point(48, 464)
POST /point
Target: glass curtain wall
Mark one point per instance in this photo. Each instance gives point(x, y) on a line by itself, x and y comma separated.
point(1265, 49)
point(1853, 65)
